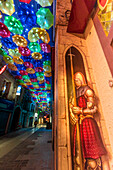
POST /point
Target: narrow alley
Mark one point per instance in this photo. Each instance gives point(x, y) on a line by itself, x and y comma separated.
point(27, 149)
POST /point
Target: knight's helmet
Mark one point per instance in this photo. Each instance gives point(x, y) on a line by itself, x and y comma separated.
point(80, 76)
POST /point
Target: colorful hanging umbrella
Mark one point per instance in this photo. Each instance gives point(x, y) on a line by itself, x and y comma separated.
point(39, 69)
point(7, 7)
point(27, 15)
point(45, 47)
point(12, 67)
point(30, 70)
point(44, 3)
point(24, 51)
point(4, 32)
point(35, 47)
point(45, 18)
point(13, 25)
point(28, 64)
point(19, 40)
point(33, 34)
point(18, 60)
point(37, 56)
point(8, 59)
point(26, 1)
point(14, 52)
point(44, 36)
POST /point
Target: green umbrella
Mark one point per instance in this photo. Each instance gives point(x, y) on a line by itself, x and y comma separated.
point(45, 18)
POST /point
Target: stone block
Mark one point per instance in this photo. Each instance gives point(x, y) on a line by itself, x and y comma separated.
point(62, 158)
point(61, 108)
point(61, 88)
point(62, 132)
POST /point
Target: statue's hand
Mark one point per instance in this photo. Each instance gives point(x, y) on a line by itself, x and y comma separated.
point(77, 110)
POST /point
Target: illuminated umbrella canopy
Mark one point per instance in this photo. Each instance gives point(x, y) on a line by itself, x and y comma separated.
point(44, 3)
point(45, 47)
point(41, 81)
point(8, 43)
point(39, 69)
point(13, 24)
point(18, 60)
point(27, 15)
point(14, 52)
point(12, 67)
point(8, 59)
point(40, 76)
point(27, 80)
point(19, 40)
point(2, 52)
point(24, 51)
point(33, 34)
point(22, 72)
point(34, 83)
point(18, 77)
point(28, 64)
point(47, 62)
point(25, 77)
point(4, 32)
point(35, 47)
point(44, 36)
point(48, 86)
point(26, 1)
point(7, 7)
point(30, 70)
point(47, 74)
point(37, 56)
point(47, 68)
point(45, 18)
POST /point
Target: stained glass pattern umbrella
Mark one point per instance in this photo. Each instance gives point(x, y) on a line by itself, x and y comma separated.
point(45, 18)
point(44, 3)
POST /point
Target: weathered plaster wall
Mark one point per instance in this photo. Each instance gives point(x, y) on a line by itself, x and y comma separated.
point(102, 75)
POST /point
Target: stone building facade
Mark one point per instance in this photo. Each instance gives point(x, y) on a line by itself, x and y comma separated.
point(98, 75)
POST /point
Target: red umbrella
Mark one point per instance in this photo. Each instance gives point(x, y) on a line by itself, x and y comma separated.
point(26, 1)
point(33, 80)
point(28, 64)
point(22, 72)
point(4, 32)
point(39, 69)
point(45, 47)
point(24, 51)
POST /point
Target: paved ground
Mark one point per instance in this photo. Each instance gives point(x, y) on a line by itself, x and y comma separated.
point(30, 149)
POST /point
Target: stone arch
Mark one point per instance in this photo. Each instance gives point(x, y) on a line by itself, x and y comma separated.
point(89, 80)
point(87, 74)
point(16, 117)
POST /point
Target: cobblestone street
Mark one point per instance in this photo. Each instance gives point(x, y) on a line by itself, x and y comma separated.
point(33, 153)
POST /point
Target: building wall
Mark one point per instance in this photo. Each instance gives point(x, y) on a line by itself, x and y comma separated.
point(102, 75)
point(63, 41)
point(98, 76)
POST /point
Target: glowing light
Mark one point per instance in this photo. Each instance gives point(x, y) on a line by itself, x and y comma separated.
point(44, 3)
point(4, 32)
point(13, 25)
point(37, 56)
point(35, 47)
point(45, 18)
point(3, 69)
point(19, 40)
point(7, 7)
point(33, 34)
